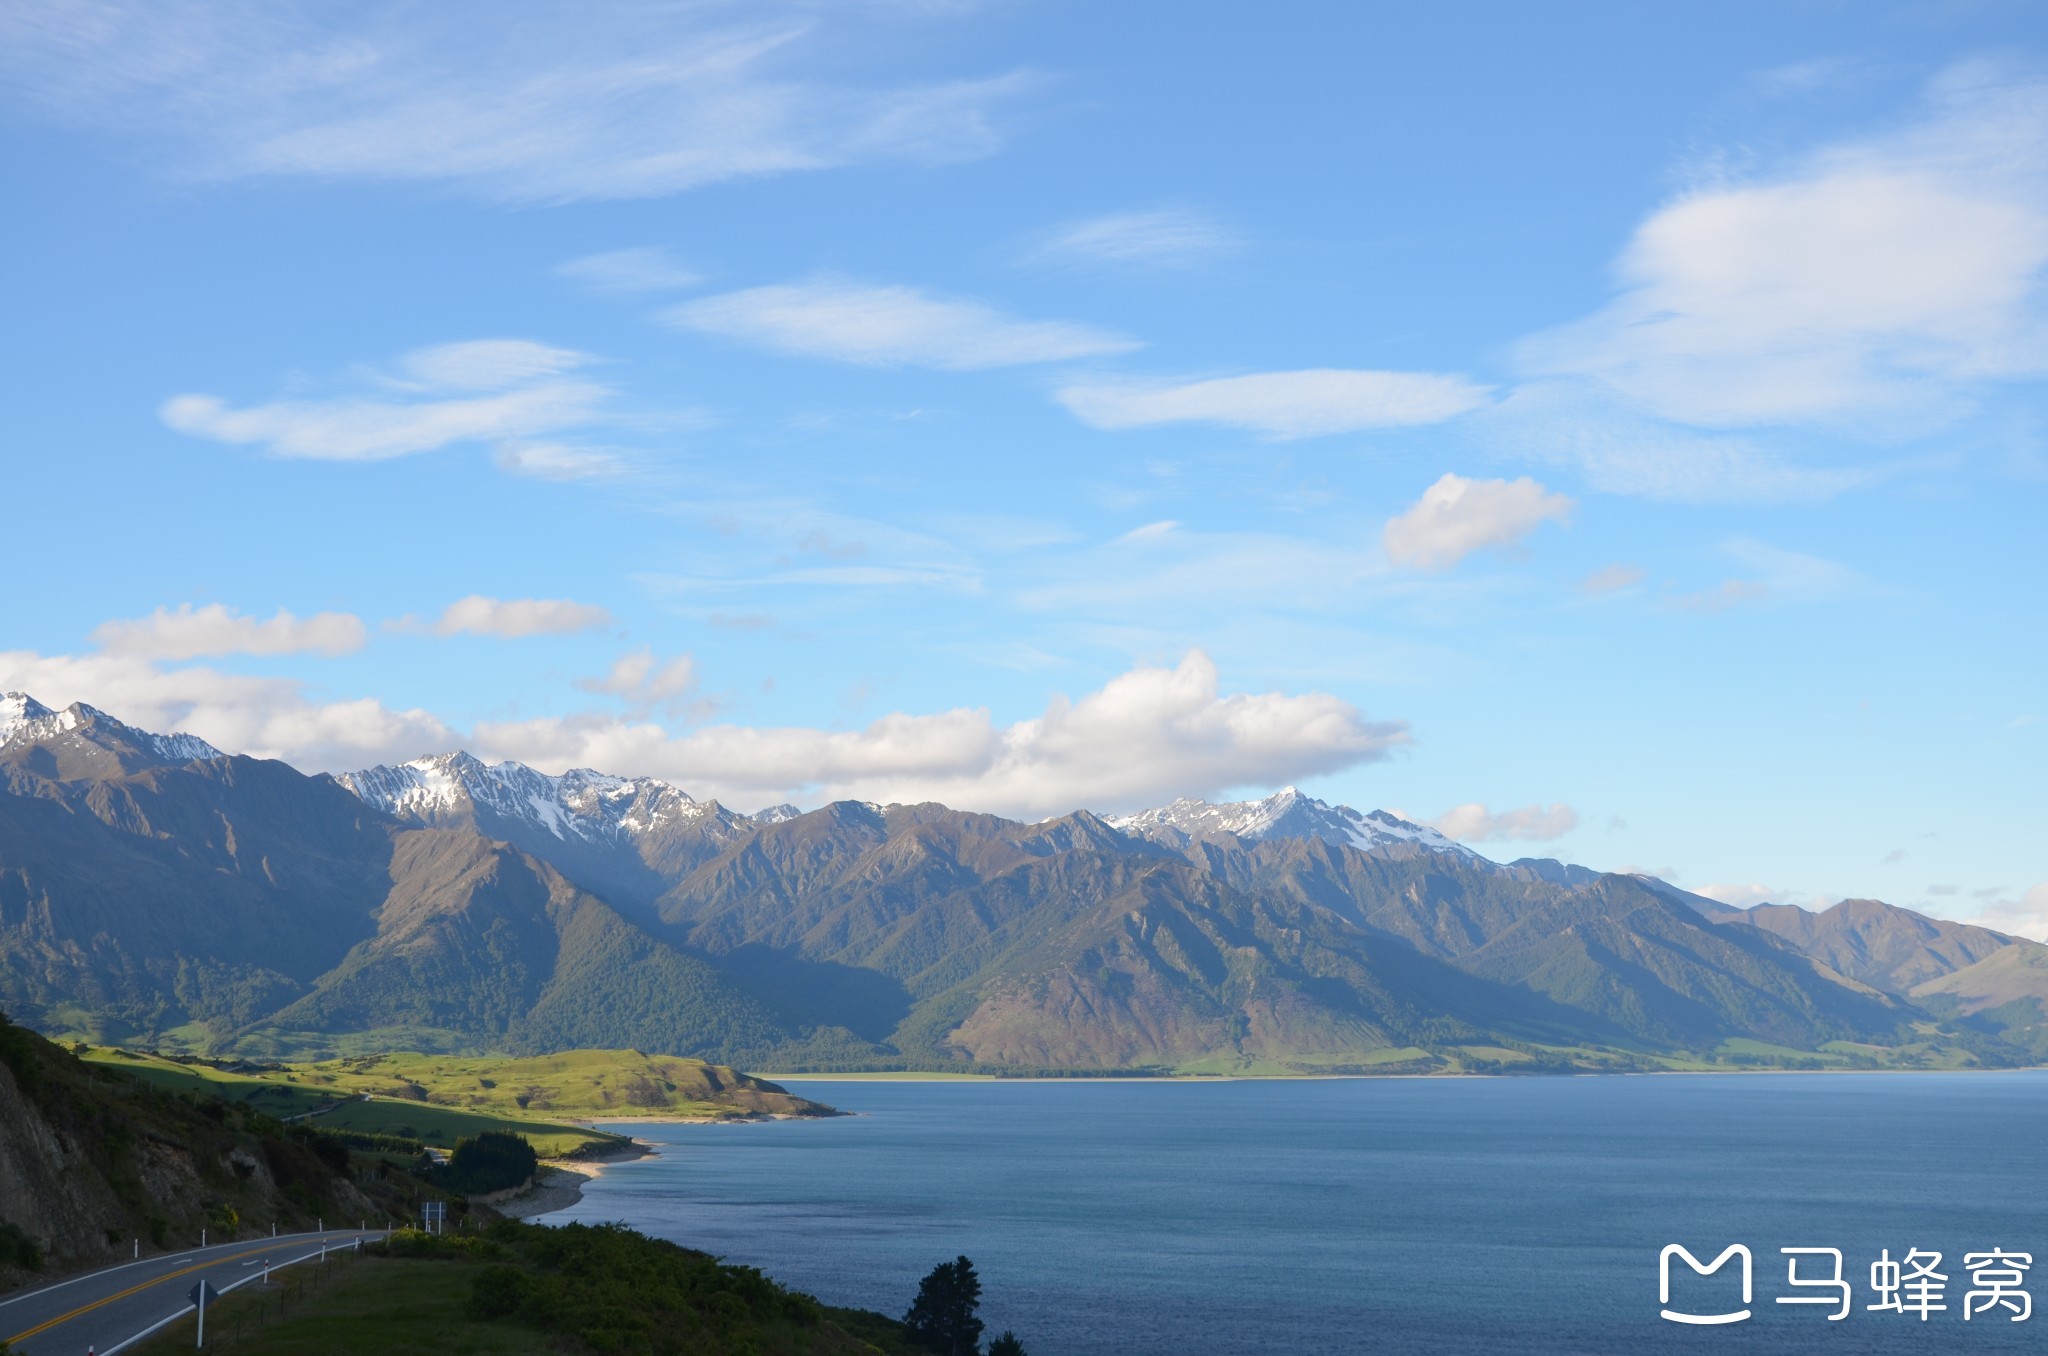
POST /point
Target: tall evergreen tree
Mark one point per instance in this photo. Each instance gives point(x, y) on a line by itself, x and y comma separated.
point(942, 1317)
point(1006, 1345)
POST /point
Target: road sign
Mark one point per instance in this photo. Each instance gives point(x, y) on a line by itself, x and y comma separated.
point(202, 1295)
point(434, 1216)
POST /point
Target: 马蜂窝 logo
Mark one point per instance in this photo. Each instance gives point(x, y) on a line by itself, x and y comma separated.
point(1909, 1286)
point(1672, 1250)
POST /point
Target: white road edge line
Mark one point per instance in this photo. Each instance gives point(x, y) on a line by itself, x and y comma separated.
point(147, 1261)
point(127, 1342)
point(160, 1323)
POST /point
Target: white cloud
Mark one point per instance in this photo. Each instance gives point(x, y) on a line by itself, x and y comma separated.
point(1150, 531)
point(1742, 896)
point(1475, 823)
point(1621, 450)
point(1870, 283)
point(1305, 404)
point(1167, 239)
point(262, 717)
point(1159, 572)
point(1612, 578)
point(645, 269)
point(1457, 516)
point(1724, 595)
point(2026, 916)
point(186, 632)
point(885, 326)
point(1781, 576)
point(615, 101)
point(1147, 735)
point(487, 364)
point(512, 618)
point(558, 461)
point(646, 683)
point(483, 391)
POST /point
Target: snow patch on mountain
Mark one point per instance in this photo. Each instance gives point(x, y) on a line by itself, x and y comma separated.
point(24, 720)
point(17, 709)
point(1284, 814)
point(581, 803)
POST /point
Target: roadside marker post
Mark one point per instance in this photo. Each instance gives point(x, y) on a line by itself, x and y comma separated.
point(201, 1295)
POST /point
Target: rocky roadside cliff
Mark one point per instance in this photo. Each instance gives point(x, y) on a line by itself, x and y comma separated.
point(93, 1161)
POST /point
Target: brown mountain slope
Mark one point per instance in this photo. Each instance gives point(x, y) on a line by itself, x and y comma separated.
point(2005, 993)
point(1885, 946)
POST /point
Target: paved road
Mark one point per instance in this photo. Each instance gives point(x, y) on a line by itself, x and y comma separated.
point(103, 1310)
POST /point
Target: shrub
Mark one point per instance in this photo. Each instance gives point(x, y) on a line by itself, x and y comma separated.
point(18, 1249)
point(492, 1161)
point(499, 1292)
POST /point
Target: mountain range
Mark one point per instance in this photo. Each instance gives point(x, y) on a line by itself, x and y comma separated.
point(154, 890)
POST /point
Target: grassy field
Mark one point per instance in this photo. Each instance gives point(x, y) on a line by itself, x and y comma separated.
point(441, 1098)
point(372, 1304)
point(521, 1288)
point(287, 1093)
point(572, 1084)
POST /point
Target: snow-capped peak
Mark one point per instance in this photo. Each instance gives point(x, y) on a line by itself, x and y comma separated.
point(1287, 813)
point(580, 803)
point(24, 720)
point(16, 710)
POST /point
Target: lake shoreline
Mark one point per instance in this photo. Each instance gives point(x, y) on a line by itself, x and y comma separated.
point(1312, 1078)
point(560, 1182)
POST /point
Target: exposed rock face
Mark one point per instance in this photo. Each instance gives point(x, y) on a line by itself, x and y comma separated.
point(91, 1158)
point(48, 1188)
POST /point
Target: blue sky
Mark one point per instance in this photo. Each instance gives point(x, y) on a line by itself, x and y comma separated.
point(1607, 431)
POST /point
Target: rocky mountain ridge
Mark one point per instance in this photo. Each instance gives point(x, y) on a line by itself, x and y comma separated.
point(229, 903)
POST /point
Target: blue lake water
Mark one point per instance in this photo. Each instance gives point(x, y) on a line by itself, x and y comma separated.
point(1395, 1215)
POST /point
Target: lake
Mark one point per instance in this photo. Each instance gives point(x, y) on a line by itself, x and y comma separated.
point(1399, 1215)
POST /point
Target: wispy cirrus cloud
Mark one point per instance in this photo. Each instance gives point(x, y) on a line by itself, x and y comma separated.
point(1613, 578)
point(1620, 449)
point(1457, 516)
point(496, 391)
point(628, 271)
point(187, 632)
point(1775, 575)
point(889, 326)
point(1280, 405)
point(563, 105)
point(512, 618)
point(1162, 240)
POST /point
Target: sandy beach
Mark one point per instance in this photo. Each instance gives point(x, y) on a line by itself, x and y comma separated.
point(560, 1183)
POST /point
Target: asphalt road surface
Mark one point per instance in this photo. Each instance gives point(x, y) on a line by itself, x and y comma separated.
point(104, 1310)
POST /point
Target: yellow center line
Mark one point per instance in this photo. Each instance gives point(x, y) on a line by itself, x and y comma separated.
point(132, 1290)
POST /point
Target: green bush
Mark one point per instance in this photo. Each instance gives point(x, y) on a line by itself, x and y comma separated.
point(492, 1161)
point(499, 1292)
